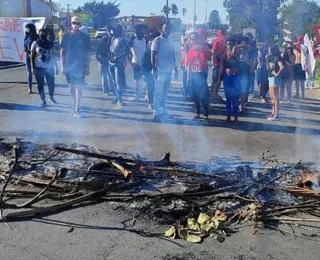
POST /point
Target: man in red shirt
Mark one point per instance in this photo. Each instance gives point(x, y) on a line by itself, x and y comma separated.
point(218, 50)
point(197, 64)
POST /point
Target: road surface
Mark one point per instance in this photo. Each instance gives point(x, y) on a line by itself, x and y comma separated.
point(99, 233)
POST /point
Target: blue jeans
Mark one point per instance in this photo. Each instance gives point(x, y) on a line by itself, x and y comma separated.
point(161, 92)
point(118, 78)
point(48, 74)
point(251, 77)
point(232, 91)
point(311, 80)
point(149, 80)
point(106, 81)
point(29, 72)
point(200, 92)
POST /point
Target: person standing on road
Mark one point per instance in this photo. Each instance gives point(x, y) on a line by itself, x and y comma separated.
point(197, 66)
point(218, 52)
point(118, 55)
point(163, 62)
point(275, 67)
point(43, 62)
point(146, 67)
point(289, 59)
point(230, 67)
point(253, 55)
point(75, 61)
point(102, 56)
point(262, 73)
point(299, 73)
point(138, 47)
point(30, 37)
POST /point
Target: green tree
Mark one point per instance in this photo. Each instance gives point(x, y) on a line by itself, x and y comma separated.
point(297, 19)
point(214, 20)
point(261, 15)
point(166, 10)
point(174, 9)
point(102, 13)
point(184, 12)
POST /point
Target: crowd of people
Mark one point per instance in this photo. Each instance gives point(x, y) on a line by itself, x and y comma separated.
point(237, 61)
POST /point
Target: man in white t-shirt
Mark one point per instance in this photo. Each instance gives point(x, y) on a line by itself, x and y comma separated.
point(138, 47)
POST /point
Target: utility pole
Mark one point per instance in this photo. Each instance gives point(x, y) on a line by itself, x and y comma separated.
point(68, 8)
point(206, 17)
point(194, 13)
point(167, 11)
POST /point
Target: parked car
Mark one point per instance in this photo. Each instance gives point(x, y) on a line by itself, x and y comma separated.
point(100, 32)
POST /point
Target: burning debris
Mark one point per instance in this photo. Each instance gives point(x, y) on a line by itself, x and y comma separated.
point(199, 200)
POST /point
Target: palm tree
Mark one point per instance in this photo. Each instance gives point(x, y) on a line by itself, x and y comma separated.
point(174, 10)
point(184, 11)
point(166, 11)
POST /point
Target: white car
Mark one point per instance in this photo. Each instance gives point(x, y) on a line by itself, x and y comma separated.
point(100, 32)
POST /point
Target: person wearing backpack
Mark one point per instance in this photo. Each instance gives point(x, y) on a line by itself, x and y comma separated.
point(43, 63)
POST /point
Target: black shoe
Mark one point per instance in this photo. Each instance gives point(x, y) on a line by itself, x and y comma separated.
point(157, 118)
point(43, 104)
point(52, 100)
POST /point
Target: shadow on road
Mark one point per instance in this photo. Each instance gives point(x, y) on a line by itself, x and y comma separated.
point(21, 107)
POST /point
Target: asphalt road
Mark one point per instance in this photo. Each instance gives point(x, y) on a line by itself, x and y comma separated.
point(131, 129)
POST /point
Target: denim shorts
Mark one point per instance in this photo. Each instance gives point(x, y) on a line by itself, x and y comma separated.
point(274, 82)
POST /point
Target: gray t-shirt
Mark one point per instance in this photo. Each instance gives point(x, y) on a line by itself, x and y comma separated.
point(44, 57)
point(164, 47)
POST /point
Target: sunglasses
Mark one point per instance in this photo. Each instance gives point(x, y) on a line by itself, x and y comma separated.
point(75, 23)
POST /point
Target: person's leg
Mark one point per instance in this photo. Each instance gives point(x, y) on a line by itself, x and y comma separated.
point(302, 84)
point(205, 98)
point(235, 103)
point(167, 82)
point(78, 98)
point(289, 89)
point(276, 102)
point(112, 70)
point(104, 82)
point(228, 94)
point(49, 73)
point(184, 82)
point(297, 85)
point(159, 88)
point(244, 86)
point(150, 86)
point(137, 81)
point(195, 88)
point(272, 96)
point(40, 82)
point(29, 75)
point(282, 89)
point(121, 81)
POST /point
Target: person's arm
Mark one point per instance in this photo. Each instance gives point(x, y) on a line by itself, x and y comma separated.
point(88, 55)
point(55, 62)
point(154, 53)
point(33, 57)
point(281, 66)
point(64, 45)
point(98, 54)
point(236, 49)
point(131, 51)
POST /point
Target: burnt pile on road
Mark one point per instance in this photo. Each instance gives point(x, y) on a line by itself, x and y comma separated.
point(201, 199)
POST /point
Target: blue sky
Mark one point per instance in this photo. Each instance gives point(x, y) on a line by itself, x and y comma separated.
point(145, 7)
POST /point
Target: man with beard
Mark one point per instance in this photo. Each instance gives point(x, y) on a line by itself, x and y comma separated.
point(163, 62)
point(75, 60)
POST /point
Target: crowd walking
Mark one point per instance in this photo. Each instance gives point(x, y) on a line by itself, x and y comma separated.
point(238, 64)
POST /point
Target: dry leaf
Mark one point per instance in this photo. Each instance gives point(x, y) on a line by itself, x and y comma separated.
point(203, 218)
point(192, 224)
point(194, 239)
point(171, 232)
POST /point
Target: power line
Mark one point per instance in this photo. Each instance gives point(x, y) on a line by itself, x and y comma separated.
point(68, 8)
